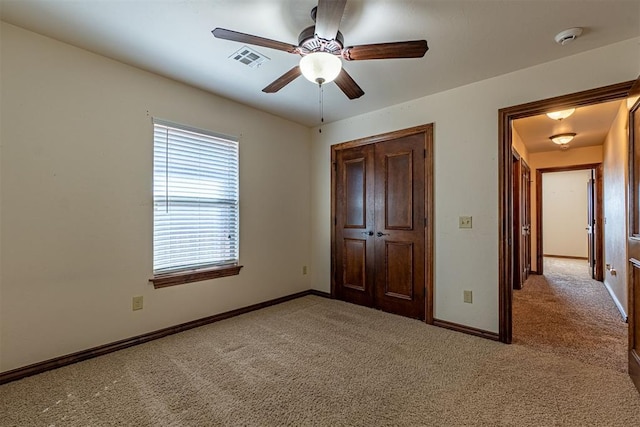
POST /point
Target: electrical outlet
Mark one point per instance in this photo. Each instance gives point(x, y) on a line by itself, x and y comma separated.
point(137, 303)
point(464, 222)
point(468, 297)
point(304, 269)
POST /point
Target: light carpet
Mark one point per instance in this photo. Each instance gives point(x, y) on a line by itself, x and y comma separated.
point(566, 312)
point(314, 361)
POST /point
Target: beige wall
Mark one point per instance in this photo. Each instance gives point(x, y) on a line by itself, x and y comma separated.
point(552, 159)
point(466, 170)
point(518, 145)
point(615, 207)
point(76, 176)
point(76, 192)
point(564, 213)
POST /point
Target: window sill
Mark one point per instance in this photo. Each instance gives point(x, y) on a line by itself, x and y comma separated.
point(182, 277)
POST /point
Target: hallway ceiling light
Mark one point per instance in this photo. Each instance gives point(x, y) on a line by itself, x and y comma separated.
point(562, 114)
point(562, 138)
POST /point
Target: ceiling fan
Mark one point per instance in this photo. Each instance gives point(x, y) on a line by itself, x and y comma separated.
point(322, 48)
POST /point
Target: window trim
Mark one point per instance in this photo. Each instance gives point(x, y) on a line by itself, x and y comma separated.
point(189, 276)
point(180, 277)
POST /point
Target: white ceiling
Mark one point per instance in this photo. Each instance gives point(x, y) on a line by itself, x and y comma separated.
point(590, 124)
point(468, 40)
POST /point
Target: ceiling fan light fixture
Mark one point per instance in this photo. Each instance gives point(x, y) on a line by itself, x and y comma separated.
point(320, 67)
point(562, 138)
point(562, 114)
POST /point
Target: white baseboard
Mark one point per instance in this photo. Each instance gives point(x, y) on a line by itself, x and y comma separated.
point(616, 302)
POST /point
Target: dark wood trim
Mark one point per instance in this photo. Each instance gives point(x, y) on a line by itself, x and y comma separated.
point(539, 260)
point(69, 359)
point(634, 368)
point(383, 137)
point(599, 213)
point(318, 293)
point(505, 119)
point(466, 329)
point(635, 89)
point(633, 297)
point(566, 256)
point(182, 277)
point(429, 210)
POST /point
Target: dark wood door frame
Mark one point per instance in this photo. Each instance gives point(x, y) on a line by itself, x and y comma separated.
point(599, 213)
point(506, 116)
point(428, 201)
point(633, 239)
point(525, 216)
point(517, 226)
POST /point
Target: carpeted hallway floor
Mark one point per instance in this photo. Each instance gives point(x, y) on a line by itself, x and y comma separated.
point(567, 313)
point(319, 362)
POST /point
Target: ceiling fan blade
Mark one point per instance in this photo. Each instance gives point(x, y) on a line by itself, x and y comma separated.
point(235, 36)
point(409, 49)
point(328, 17)
point(348, 85)
point(283, 80)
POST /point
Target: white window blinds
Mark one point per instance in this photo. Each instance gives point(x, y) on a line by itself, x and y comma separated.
point(195, 195)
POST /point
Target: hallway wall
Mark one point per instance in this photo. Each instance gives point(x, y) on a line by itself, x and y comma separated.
point(552, 159)
point(616, 177)
point(564, 213)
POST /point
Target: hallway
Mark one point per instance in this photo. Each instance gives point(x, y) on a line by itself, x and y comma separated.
point(565, 312)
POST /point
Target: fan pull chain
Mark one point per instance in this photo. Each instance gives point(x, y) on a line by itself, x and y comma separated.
point(321, 102)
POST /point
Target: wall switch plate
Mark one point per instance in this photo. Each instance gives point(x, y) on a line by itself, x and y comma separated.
point(468, 297)
point(464, 222)
point(137, 303)
point(304, 269)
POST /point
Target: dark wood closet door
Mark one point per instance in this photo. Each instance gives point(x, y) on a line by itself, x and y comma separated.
point(354, 228)
point(379, 231)
point(400, 226)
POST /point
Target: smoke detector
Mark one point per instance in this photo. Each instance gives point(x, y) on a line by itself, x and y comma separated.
point(567, 36)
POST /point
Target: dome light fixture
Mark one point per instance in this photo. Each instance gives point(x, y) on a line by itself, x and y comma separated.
point(320, 67)
point(562, 138)
point(562, 114)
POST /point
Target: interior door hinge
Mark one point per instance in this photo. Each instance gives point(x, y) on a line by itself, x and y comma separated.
point(425, 221)
point(335, 166)
point(335, 221)
point(425, 153)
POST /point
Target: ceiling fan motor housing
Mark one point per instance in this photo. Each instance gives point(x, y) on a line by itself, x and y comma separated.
point(309, 43)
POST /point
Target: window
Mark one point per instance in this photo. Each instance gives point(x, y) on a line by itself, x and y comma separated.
point(195, 199)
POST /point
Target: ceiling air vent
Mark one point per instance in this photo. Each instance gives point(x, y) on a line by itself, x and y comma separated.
point(249, 57)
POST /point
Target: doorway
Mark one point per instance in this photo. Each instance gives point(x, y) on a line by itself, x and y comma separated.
point(382, 211)
point(506, 116)
point(594, 223)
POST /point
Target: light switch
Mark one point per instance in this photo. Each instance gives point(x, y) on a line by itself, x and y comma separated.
point(464, 222)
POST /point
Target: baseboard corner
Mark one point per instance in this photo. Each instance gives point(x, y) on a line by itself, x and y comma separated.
point(619, 306)
point(318, 293)
point(469, 330)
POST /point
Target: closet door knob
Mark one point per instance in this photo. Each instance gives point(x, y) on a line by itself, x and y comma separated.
point(380, 234)
point(368, 233)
